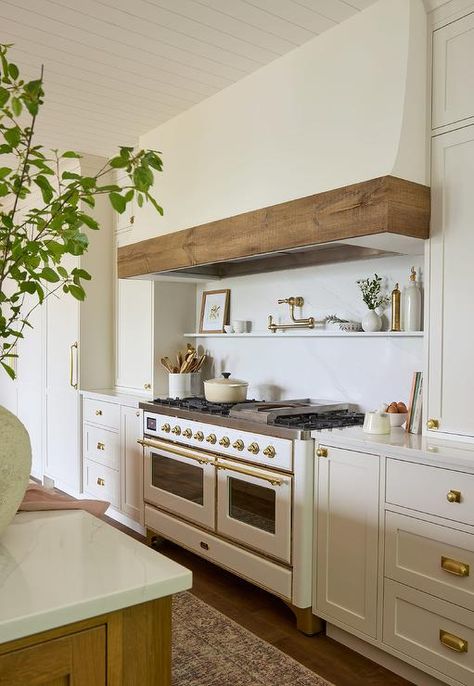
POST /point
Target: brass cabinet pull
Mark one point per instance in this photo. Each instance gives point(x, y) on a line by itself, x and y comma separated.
point(275, 481)
point(432, 424)
point(100, 446)
point(454, 566)
point(73, 382)
point(100, 482)
point(203, 545)
point(322, 452)
point(98, 413)
point(182, 452)
point(147, 386)
point(459, 645)
point(453, 496)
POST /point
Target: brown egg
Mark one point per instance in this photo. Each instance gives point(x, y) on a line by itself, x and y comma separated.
point(402, 407)
point(392, 408)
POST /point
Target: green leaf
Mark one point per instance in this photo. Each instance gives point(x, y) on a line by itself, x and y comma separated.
point(82, 274)
point(4, 171)
point(140, 200)
point(118, 202)
point(45, 187)
point(13, 71)
point(89, 221)
point(157, 207)
point(50, 275)
point(9, 370)
point(71, 154)
point(4, 96)
point(5, 149)
point(13, 136)
point(77, 292)
point(118, 162)
point(62, 271)
point(16, 106)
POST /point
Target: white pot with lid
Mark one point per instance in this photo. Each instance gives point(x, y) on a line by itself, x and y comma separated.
point(225, 389)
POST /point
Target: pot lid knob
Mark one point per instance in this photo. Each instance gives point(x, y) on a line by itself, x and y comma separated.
point(226, 375)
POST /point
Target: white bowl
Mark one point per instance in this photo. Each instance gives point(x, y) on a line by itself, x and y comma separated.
point(397, 418)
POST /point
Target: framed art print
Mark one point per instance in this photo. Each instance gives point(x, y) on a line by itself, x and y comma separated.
point(214, 311)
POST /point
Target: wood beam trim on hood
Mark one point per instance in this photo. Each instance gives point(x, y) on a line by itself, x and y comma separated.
point(383, 205)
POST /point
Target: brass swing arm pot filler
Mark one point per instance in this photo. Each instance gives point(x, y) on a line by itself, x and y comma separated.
point(293, 302)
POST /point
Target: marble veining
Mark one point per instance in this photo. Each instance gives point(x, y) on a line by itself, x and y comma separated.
point(64, 566)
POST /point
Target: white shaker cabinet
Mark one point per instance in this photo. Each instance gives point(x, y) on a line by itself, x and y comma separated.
point(451, 326)
point(131, 463)
point(347, 531)
point(453, 72)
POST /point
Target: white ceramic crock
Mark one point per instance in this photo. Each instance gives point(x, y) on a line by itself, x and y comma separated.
point(225, 389)
point(376, 423)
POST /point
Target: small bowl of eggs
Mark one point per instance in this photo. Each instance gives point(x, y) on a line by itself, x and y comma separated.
point(397, 413)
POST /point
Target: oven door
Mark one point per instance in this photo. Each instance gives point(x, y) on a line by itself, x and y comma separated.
point(180, 480)
point(254, 508)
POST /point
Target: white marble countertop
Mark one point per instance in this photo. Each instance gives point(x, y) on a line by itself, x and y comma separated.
point(398, 443)
point(110, 395)
point(61, 567)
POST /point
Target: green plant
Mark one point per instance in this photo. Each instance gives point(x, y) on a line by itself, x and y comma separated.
point(371, 290)
point(34, 240)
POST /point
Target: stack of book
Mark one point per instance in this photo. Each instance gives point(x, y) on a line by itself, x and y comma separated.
point(415, 406)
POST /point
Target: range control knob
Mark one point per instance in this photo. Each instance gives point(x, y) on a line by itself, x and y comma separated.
point(238, 444)
point(176, 430)
point(269, 451)
point(224, 442)
point(254, 448)
point(211, 439)
point(187, 433)
point(199, 436)
point(166, 428)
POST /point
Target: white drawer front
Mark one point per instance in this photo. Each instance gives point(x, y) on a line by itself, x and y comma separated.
point(428, 489)
point(413, 622)
point(102, 413)
point(431, 558)
point(102, 482)
point(163, 426)
point(256, 569)
point(102, 446)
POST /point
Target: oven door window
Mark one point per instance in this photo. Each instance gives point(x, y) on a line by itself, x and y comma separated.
point(252, 504)
point(178, 478)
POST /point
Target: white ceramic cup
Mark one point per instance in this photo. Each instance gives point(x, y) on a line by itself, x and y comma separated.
point(239, 325)
point(228, 328)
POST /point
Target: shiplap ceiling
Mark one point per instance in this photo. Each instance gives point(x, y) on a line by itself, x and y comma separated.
point(115, 69)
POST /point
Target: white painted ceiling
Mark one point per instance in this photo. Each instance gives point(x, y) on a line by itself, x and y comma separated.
point(115, 69)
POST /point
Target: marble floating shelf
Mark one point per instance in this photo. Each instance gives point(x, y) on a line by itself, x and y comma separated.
point(311, 334)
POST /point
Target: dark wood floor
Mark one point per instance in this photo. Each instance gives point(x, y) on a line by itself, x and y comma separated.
point(269, 618)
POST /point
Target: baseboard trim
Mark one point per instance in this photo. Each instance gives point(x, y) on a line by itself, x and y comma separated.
point(126, 521)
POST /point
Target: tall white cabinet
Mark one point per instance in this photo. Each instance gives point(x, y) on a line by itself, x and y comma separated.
point(451, 282)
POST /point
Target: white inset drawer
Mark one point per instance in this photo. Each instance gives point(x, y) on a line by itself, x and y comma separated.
point(436, 491)
point(256, 569)
point(102, 446)
point(431, 558)
point(435, 633)
point(102, 482)
point(102, 413)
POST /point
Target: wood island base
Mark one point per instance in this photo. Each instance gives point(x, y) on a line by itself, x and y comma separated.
point(124, 648)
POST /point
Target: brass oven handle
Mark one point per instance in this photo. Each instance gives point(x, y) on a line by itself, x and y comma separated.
point(454, 566)
point(71, 365)
point(274, 480)
point(459, 645)
point(182, 452)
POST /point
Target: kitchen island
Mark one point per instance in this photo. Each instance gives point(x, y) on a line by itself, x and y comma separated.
point(82, 602)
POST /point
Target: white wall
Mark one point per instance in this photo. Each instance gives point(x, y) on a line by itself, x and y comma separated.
point(344, 107)
point(366, 371)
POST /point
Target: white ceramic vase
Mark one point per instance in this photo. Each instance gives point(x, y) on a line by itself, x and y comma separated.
point(15, 465)
point(372, 321)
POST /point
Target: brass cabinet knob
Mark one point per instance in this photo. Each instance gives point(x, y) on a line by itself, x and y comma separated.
point(100, 446)
point(432, 424)
point(199, 436)
point(238, 444)
point(187, 433)
point(176, 430)
point(453, 496)
point(224, 442)
point(269, 451)
point(100, 482)
point(322, 452)
point(254, 448)
point(211, 439)
point(98, 413)
point(166, 428)
point(147, 386)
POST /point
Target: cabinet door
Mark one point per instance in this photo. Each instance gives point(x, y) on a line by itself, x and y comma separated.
point(62, 398)
point(131, 463)
point(453, 73)
point(79, 659)
point(451, 328)
point(134, 335)
point(347, 532)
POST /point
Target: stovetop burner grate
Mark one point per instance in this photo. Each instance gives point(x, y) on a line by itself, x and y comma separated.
point(314, 421)
point(199, 405)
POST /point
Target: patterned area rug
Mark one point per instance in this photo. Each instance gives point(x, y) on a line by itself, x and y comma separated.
point(209, 649)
